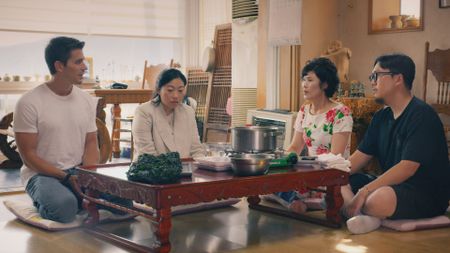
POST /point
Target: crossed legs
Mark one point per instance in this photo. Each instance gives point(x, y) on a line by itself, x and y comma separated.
point(381, 203)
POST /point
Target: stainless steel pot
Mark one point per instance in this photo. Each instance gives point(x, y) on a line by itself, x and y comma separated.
point(254, 139)
point(250, 164)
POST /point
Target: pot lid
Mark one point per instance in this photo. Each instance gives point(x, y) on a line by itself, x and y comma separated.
point(256, 128)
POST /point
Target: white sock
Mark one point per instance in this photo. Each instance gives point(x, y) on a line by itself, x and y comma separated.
point(362, 224)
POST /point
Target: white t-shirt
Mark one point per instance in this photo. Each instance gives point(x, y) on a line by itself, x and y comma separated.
point(61, 123)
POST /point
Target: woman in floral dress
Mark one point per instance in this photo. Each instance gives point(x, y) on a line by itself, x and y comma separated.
point(322, 125)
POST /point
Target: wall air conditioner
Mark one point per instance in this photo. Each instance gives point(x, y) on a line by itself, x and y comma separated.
point(244, 10)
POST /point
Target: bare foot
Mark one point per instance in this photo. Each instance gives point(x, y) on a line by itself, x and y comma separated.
point(298, 206)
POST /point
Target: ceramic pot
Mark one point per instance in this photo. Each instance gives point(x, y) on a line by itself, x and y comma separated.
point(6, 78)
point(404, 18)
point(396, 22)
point(412, 22)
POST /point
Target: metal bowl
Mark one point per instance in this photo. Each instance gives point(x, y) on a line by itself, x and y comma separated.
point(250, 164)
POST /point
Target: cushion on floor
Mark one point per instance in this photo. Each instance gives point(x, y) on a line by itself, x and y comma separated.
point(419, 224)
point(178, 210)
point(27, 213)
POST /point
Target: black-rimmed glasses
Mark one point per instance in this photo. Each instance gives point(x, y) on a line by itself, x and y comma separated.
point(374, 76)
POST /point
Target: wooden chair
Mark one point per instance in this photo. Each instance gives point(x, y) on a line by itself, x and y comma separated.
point(104, 142)
point(438, 62)
point(216, 117)
point(198, 84)
point(151, 73)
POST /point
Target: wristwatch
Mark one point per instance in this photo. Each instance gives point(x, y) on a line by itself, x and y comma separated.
point(66, 178)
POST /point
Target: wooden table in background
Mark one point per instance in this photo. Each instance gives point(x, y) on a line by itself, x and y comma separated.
point(204, 186)
point(117, 97)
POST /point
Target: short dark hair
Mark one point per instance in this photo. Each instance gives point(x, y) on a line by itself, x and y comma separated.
point(399, 63)
point(59, 49)
point(326, 71)
point(165, 77)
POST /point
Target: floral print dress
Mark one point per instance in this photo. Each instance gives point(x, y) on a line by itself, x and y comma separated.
point(318, 129)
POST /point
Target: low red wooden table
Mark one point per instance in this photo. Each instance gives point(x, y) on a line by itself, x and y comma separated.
point(203, 186)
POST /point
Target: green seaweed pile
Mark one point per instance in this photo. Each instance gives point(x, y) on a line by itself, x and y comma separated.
point(161, 169)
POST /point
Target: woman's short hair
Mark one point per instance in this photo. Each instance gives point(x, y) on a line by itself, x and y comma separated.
point(326, 71)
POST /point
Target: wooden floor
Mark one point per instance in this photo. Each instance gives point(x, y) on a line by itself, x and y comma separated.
point(236, 229)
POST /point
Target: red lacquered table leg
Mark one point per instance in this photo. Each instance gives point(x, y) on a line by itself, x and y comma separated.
point(163, 229)
point(334, 203)
point(253, 200)
point(92, 209)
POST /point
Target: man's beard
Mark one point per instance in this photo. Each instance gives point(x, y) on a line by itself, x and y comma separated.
point(380, 101)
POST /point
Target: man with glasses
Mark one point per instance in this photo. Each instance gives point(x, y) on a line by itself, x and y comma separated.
point(407, 138)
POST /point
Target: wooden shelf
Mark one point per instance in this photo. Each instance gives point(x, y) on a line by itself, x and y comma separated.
point(396, 30)
point(16, 87)
point(22, 87)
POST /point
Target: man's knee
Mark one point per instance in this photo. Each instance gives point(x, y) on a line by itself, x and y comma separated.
point(381, 203)
point(61, 209)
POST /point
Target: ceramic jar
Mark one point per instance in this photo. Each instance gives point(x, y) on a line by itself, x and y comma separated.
point(413, 22)
point(396, 22)
point(6, 78)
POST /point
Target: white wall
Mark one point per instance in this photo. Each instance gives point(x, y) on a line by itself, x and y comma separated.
point(212, 13)
point(244, 54)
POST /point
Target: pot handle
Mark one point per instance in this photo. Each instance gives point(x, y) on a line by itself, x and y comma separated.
point(276, 133)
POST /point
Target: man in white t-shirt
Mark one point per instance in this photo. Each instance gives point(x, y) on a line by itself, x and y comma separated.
point(55, 130)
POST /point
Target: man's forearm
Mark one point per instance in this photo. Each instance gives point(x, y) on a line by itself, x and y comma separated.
point(396, 175)
point(358, 160)
point(34, 162)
